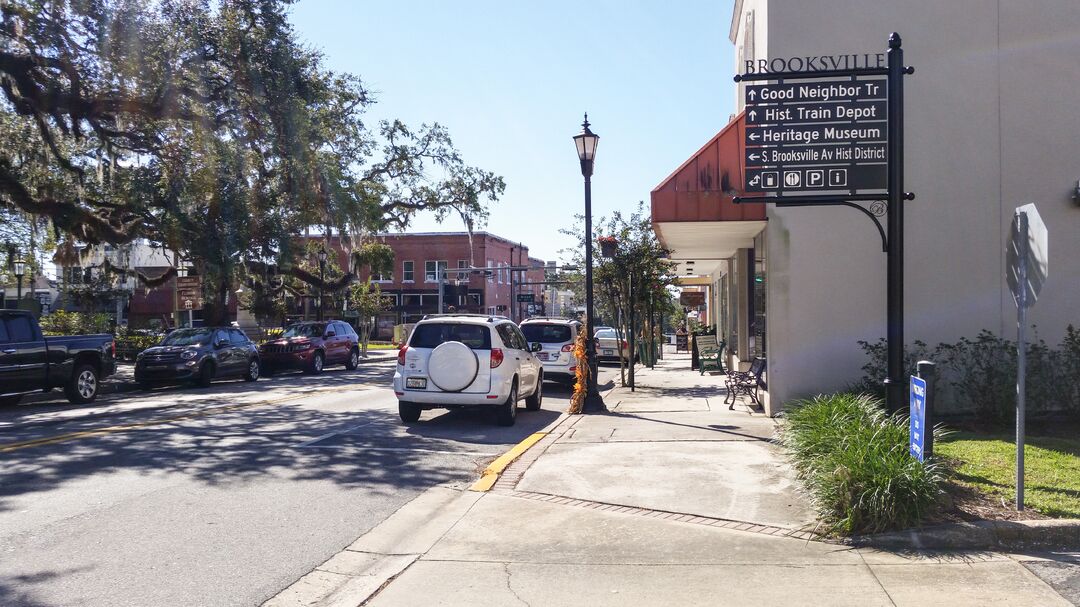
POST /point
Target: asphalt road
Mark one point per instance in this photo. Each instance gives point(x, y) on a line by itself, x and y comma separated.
point(222, 495)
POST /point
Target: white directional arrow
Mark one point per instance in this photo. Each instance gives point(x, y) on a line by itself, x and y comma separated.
point(754, 156)
point(751, 95)
point(753, 115)
point(754, 136)
point(755, 180)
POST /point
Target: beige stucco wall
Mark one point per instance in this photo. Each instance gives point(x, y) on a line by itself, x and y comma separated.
point(992, 122)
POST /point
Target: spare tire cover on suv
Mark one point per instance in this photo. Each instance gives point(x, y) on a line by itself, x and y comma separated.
point(452, 366)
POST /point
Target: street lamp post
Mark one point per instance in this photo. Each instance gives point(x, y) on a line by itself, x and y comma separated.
point(586, 149)
point(322, 270)
point(20, 271)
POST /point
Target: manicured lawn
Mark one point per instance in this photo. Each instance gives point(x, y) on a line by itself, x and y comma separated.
point(1051, 469)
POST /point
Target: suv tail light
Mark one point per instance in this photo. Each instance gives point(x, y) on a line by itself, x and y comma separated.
point(401, 355)
point(496, 357)
point(568, 348)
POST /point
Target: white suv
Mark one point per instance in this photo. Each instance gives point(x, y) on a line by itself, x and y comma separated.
point(556, 336)
point(462, 360)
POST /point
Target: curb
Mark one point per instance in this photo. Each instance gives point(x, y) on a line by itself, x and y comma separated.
point(980, 535)
point(495, 468)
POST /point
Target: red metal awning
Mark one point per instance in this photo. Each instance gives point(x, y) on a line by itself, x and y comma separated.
point(692, 210)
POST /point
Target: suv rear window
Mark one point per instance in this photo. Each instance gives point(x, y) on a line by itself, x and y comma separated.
point(431, 335)
point(547, 334)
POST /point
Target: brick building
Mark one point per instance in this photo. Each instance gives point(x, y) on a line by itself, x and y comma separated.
point(412, 287)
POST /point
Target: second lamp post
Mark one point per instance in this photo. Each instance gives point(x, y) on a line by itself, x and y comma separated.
point(586, 150)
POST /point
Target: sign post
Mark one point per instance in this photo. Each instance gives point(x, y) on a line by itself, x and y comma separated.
point(837, 141)
point(921, 417)
point(1026, 269)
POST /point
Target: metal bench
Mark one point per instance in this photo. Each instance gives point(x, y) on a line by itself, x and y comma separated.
point(710, 353)
point(746, 382)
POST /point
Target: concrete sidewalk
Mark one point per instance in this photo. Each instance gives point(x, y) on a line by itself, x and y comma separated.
point(669, 499)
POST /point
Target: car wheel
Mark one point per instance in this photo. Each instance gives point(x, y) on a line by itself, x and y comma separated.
point(354, 359)
point(316, 364)
point(206, 374)
point(10, 401)
point(506, 414)
point(83, 385)
point(409, 412)
point(533, 401)
point(252, 370)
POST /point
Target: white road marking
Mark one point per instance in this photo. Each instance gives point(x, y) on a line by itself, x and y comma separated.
point(328, 435)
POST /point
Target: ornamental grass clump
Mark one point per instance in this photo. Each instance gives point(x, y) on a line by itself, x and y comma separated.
point(854, 461)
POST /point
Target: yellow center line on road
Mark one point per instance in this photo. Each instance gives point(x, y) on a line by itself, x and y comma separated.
point(60, 438)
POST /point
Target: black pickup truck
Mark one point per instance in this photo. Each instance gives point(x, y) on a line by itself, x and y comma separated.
point(30, 362)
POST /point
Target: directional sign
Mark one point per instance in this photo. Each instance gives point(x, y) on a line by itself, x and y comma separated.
point(526, 297)
point(827, 90)
point(808, 179)
point(816, 155)
point(816, 137)
point(810, 134)
point(838, 111)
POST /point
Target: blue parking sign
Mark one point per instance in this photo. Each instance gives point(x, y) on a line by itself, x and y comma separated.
point(918, 417)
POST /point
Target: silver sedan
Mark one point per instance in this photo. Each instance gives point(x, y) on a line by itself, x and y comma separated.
point(608, 346)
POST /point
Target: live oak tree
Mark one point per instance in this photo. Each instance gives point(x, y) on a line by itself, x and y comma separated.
point(207, 128)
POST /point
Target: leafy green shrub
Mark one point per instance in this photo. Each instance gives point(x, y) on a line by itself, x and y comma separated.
point(978, 375)
point(129, 343)
point(854, 460)
point(75, 323)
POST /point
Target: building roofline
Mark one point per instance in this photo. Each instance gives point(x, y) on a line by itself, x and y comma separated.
point(419, 234)
point(733, 33)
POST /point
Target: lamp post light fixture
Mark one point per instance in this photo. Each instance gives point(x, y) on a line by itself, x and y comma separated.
point(20, 271)
point(586, 149)
point(322, 270)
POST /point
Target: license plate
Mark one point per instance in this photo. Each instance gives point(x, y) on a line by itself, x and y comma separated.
point(156, 367)
point(609, 352)
point(416, 383)
point(542, 355)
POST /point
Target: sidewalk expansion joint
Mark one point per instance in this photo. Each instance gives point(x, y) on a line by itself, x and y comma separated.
point(678, 517)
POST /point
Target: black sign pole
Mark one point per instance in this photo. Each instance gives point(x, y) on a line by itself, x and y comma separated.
point(895, 383)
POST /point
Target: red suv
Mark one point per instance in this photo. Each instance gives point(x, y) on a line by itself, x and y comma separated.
point(310, 346)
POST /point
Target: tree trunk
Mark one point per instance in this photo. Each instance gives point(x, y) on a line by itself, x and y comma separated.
point(365, 329)
point(216, 303)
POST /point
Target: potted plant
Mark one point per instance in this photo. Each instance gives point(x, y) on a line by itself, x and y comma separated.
point(608, 245)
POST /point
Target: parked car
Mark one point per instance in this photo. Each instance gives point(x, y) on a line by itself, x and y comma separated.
point(198, 355)
point(310, 346)
point(466, 360)
point(610, 348)
point(30, 362)
point(557, 336)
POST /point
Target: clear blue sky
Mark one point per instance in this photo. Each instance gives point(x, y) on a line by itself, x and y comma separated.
point(510, 80)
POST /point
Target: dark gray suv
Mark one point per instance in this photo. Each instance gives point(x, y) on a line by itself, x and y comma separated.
point(198, 355)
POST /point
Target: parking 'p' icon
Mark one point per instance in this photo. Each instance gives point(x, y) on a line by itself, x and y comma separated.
point(815, 178)
point(837, 178)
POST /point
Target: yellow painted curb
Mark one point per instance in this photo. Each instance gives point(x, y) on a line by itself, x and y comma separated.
point(492, 472)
